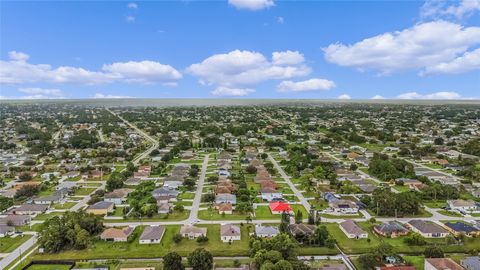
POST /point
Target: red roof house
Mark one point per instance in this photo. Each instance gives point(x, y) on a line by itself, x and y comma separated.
point(280, 207)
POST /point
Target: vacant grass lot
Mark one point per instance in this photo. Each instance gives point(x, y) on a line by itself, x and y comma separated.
point(9, 244)
point(84, 191)
point(66, 205)
point(212, 214)
point(174, 216)
point(109, 250)
point(48, 267)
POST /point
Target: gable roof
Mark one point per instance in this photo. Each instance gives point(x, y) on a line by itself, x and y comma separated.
point(444, 264)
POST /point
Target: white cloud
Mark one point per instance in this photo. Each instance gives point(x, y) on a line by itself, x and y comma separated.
point(144, 71)
point(252, 4)
point(148, 72)
point(417, 48)
point(130, 18)
point(18, 56)
point(244, 69)
point(100, 95)
point(308, 85)
point(377, 97)
point(437, 95)
point(132, 5)
point(287, 58)
point(443, 8)
point(280, 20)
point(231, 92)
point(467, 62)
point(41, 91)
point(344, 96)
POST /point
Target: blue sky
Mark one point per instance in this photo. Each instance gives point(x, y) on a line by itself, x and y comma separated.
point(240, 48)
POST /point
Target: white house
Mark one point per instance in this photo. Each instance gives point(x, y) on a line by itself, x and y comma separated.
point(352, 230)
point(462, 205)
point(152, 235)
point(229, 232)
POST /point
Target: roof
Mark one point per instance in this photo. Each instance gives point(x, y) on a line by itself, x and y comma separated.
point(225, 207)
point(391, 227)
point(461, 203)
point(31, 207)
point(152, 232)
point(229, 230)
point(444, 264)
point(101, 205)
point(472, 263)
point(6, 229)
point(112, 233)
point(427, 226)
point(351, 227)
point(187, 229)
point(118, 193)
point(259, 229)
point(280, 206)
point(461, 227)
point(301, 228)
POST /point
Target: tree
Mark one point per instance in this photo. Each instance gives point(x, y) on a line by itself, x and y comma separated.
point(433, 252)
point(298, 217)
point(173, 261)
point(251, 169)
point(177, 238)
point(115, 181)
point(368, 261)
point(200, 259)
point(438, 141)
point(285, 220)
point(25, 177)
point(5, 203)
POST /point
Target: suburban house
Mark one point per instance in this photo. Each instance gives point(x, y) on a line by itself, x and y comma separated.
point(301, 229)
point(427, 228)
point(229, 232)
point(344, 207)
point(463, 205)
point(6, 230)
point(152, 235)
point(101, 208)
point(269, 194)
point(165, 192)
point(462, 228)
point(29, 209)
point(172, 184)
point(471, 263)
point(117, 235)
point(163, 207)
point(225, 198)
point(391, 229)
point(16, 220)
point(118, 196)
point(192, 232)
point(441, 264)
point(352, 230)
point(266, 231)
point(225, 208)
point(280, 207)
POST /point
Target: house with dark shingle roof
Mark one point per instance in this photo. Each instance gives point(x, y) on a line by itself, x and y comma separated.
point(461, 227)
point(427, 228)
point(352, 230)
point(152, 235)
point(391, 229)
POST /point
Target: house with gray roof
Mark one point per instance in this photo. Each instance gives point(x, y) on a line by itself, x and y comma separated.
point(427, 228)
point(266, 231)
point(152, 235)
point(352, 230)
point(471, 263)
point(225, 198)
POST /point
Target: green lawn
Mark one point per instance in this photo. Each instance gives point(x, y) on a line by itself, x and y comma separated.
point(9, 244)
point(417, 261)
point(109, 250)
point(84, 191)
point(435, 204)
point(174, 216)
point(450, 213)
point(187, 195)
point(47, 216)
point(66, 205)
point(212, 214)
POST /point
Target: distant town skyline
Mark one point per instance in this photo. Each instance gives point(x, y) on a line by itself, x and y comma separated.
point(240, 49)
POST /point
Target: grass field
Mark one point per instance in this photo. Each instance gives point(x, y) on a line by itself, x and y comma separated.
point(84, 191)
point(9, 244)
point(212, 214)
point(66, 205)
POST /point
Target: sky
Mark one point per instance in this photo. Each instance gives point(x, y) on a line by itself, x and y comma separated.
point(240, 49)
